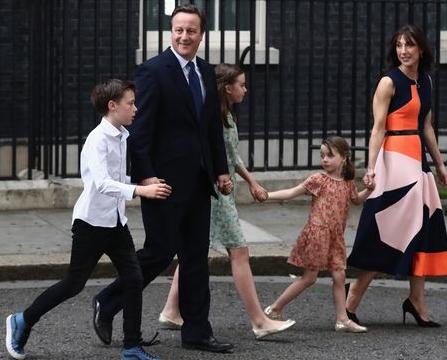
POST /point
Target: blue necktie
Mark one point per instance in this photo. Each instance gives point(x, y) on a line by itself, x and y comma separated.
point(194, 84)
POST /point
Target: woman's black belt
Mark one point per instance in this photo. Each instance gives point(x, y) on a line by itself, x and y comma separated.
point(402, 132)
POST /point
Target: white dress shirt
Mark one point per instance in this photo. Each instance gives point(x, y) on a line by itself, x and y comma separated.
point(183, 62)
point(103, 172)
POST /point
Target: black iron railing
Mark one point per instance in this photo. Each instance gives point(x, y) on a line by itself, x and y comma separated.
point(311, 69)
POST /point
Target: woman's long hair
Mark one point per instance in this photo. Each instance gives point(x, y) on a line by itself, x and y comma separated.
point(414, 36)
point(226, 75)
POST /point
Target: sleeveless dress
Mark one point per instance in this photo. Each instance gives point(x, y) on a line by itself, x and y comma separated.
point(321, 244)
point(225, 228)
point(401, 229)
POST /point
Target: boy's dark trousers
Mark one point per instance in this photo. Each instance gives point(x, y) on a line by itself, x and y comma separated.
point(89, 244)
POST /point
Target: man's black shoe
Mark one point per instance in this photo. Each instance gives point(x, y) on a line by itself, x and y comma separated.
point(102, 328)
point(209, 344)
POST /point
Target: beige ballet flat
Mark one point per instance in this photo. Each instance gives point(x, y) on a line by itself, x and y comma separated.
point(272, 314)
point(262, 333)
point(169, 324)
point(349, 326)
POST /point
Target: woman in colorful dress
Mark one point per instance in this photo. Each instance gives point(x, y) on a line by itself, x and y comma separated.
point(401, 229)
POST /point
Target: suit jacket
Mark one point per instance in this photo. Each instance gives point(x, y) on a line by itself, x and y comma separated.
point(167, 139)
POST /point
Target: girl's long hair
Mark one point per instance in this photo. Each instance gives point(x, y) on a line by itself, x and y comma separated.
point(226, 75)
point(342, 147)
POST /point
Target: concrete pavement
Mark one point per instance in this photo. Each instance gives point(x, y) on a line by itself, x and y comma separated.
point(36, 244)
point(35, 223)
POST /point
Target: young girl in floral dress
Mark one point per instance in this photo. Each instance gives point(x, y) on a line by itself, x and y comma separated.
point(321, 245)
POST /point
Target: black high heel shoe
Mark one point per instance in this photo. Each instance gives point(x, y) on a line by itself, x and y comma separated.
point(351, 316)
point(407, 306)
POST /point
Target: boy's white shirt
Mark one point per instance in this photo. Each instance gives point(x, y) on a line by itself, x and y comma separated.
point(103, 172)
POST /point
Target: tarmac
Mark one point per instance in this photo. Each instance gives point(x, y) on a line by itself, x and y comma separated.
point(36, 243)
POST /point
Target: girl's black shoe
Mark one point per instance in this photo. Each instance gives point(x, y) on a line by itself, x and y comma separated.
point(407, 306)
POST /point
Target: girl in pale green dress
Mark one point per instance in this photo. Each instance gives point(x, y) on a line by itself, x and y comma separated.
point(225, 228)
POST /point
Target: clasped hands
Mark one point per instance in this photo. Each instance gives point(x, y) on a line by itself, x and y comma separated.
point(258, 192)
point(442, 174)
point(369, 180)
point(224, 184)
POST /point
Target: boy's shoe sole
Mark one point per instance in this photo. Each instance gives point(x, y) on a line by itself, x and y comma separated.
point(9, 347)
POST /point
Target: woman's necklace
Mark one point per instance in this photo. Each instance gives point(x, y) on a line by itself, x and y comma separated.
point(412, 78)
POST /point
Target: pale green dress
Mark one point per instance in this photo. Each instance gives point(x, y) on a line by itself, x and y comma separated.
point(225, 228)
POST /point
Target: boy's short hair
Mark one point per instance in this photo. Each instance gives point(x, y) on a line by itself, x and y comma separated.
point(112, 89)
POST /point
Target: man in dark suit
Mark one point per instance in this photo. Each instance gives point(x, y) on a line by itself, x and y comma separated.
point(177, 138)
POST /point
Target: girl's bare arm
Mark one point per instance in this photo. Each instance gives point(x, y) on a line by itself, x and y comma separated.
point(287, 194)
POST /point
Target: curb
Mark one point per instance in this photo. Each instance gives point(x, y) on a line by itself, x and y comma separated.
point(218, 266)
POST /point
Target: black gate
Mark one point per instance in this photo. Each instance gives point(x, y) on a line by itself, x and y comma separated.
point(53, 53)
point(312, 67)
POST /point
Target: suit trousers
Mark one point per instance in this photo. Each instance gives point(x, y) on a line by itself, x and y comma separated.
point(182, 228)
point(89, 244)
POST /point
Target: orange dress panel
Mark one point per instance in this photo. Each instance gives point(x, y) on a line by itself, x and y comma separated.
point(405, 118)
point(434, 264)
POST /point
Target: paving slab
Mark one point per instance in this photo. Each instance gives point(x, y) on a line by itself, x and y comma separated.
point(36, 244)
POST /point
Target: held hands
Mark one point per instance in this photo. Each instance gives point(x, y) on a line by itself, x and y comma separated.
point(371, 187)
point(369, 180)
point(224, 184)
point(153, 188)
point(442, 174)
point(258, 192)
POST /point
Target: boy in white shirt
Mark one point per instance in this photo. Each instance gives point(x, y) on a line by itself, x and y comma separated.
point(99, 223)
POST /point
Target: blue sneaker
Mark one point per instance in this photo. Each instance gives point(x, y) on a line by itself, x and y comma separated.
point(17, 333)
point(137, 353)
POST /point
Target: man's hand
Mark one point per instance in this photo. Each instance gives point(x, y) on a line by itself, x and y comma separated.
point(224, 184)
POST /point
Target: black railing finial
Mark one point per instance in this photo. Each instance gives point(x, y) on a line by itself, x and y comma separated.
point(244, 53)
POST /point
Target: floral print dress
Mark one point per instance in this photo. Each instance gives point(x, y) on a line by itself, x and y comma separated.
point(321, 244)
point(225, 229)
